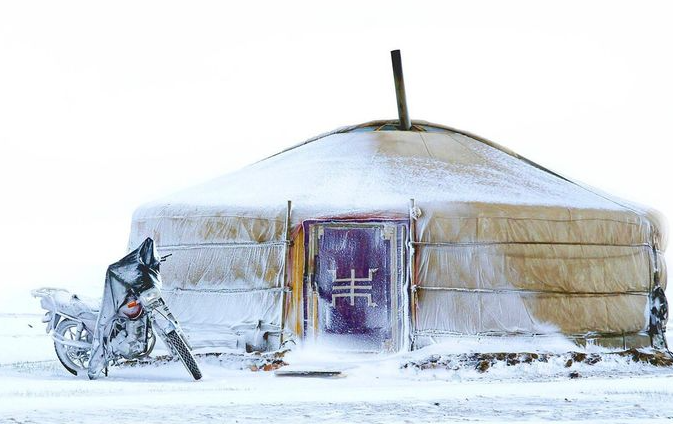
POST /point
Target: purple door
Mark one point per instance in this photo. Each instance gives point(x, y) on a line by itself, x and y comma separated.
point(355, 275)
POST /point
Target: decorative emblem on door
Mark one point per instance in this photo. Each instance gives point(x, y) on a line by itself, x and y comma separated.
point(352, 287)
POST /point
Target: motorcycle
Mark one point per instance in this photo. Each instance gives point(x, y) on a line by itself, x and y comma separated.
point(89, 336)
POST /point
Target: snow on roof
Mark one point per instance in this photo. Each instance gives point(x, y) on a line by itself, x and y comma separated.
point(372, 167)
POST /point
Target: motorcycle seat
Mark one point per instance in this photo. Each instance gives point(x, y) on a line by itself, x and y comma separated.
point(84, 304)
point(63, 301)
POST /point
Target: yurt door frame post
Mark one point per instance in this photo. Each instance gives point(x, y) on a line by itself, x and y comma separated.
point(411, 271)
point(286, 271)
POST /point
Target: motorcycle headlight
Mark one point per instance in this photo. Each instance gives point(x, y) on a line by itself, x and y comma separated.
point(150, 296)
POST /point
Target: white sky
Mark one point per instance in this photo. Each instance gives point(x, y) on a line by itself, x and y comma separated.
point(106, 106)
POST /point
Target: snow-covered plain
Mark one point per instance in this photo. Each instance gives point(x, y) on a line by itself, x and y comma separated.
point(34, 388)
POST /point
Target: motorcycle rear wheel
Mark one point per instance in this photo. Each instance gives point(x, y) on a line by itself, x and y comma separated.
point(178, 345)
point(74, 359)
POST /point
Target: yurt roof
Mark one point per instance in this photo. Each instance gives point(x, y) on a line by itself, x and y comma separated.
point(374, 169)
point(374, 166)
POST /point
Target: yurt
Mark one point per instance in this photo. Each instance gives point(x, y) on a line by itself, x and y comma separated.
point(392, 235)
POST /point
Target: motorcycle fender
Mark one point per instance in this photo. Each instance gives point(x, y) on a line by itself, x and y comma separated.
point(166, 326)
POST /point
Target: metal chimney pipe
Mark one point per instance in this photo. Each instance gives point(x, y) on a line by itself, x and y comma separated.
point(402, 111)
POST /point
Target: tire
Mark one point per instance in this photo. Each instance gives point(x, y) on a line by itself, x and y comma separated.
point(178, 345)
point(73, 359)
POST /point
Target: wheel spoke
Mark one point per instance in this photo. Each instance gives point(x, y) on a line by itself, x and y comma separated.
point(73, 357)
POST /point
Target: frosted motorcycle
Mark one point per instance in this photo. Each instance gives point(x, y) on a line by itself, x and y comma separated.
point(89, 336)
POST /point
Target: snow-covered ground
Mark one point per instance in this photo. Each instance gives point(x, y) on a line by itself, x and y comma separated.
point(34, 388)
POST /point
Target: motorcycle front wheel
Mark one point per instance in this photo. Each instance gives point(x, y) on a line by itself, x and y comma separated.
point(178, 345)
point(74, 359)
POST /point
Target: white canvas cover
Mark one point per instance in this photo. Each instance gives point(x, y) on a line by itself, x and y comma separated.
point(504, 246)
